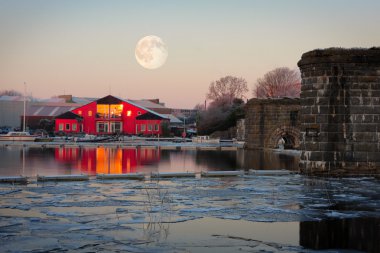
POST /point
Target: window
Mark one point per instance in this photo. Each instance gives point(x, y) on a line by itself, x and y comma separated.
point(102, 111)
point(74, 127)
point(143, 128)
point(116, 127)
point(80, 112)
point(60, 126)
point(102, 127)
point(156, 127)
point(89, 113)
point(67, 128)
point(138, 113)
point(116, 110)
point(150, 127)
point(109, 111)
point(129, 113)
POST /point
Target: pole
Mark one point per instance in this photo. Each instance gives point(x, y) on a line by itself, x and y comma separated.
point(23, 124)
point(184, 127)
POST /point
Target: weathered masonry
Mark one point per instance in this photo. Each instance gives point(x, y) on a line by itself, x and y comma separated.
point(267, 120)
point(340, 111)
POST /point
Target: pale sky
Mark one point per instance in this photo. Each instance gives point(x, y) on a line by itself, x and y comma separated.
point(86, 48)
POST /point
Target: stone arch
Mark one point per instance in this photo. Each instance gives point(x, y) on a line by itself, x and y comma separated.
point(291, 135)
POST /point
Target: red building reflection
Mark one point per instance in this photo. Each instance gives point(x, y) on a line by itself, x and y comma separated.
point(102, 160)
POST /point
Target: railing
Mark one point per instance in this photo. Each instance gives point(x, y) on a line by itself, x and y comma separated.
point(107, 116)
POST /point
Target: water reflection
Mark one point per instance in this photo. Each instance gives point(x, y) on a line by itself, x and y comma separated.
point(103, 160)
point(355, 234)
point(30, 161)
point(269, 160)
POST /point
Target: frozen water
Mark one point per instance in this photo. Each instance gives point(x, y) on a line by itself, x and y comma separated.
point(91, 216)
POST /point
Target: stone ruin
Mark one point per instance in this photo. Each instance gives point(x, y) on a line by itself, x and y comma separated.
point(340, 111)
point(268, 120)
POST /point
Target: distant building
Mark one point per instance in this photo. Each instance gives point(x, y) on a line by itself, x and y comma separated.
point(184, 112)
point(37, 111)
point(11, 111)
point(11, 108)
point(110, 115)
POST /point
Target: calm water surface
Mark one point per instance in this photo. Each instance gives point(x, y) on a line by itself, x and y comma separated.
point(30, 161)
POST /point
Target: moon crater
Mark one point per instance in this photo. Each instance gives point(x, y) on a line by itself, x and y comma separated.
point(151, 52)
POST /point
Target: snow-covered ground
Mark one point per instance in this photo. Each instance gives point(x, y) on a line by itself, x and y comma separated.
point(244, 214)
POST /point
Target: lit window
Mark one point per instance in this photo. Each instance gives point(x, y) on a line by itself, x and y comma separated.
point(80, 112)
point(116, 110)
point(74, 127)
point(129, 113)
point(89, 113)
point(67, 127)
point(61, 127)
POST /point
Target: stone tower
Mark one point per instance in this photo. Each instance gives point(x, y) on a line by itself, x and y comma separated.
point(340, 111)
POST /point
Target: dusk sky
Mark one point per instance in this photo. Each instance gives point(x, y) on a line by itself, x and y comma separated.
point(87, 48)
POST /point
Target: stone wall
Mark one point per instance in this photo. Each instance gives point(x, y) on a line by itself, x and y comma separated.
point(267, 120)
point(340, 111)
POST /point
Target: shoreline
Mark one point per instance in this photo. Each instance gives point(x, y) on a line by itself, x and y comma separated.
point(128, 144)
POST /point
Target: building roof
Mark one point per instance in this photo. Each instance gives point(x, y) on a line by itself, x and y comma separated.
point(144, 108)
point(148, 104)
point(109, 100)
point(149, 116)
point(68, 115)
point(13, 98)
point(83, 100)
point(173, 119)
point(48, 109)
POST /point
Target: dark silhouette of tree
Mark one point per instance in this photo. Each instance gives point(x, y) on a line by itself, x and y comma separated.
point(280, 82)
point(220, 116)
point(12, 93)
point(226, 89)
point(165, 126)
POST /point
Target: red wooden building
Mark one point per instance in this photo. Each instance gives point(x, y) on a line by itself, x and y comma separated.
point(109, 115)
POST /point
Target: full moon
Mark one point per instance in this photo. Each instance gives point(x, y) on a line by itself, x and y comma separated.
point(151, 52)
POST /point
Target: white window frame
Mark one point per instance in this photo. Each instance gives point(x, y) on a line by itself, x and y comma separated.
point(113, 127)
point(106, 127)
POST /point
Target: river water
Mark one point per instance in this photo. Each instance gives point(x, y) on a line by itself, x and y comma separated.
point(30, 161)
point(291, 213)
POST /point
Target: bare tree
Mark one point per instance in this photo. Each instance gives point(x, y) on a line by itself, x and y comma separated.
point(280, 82)
point(227, 89)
